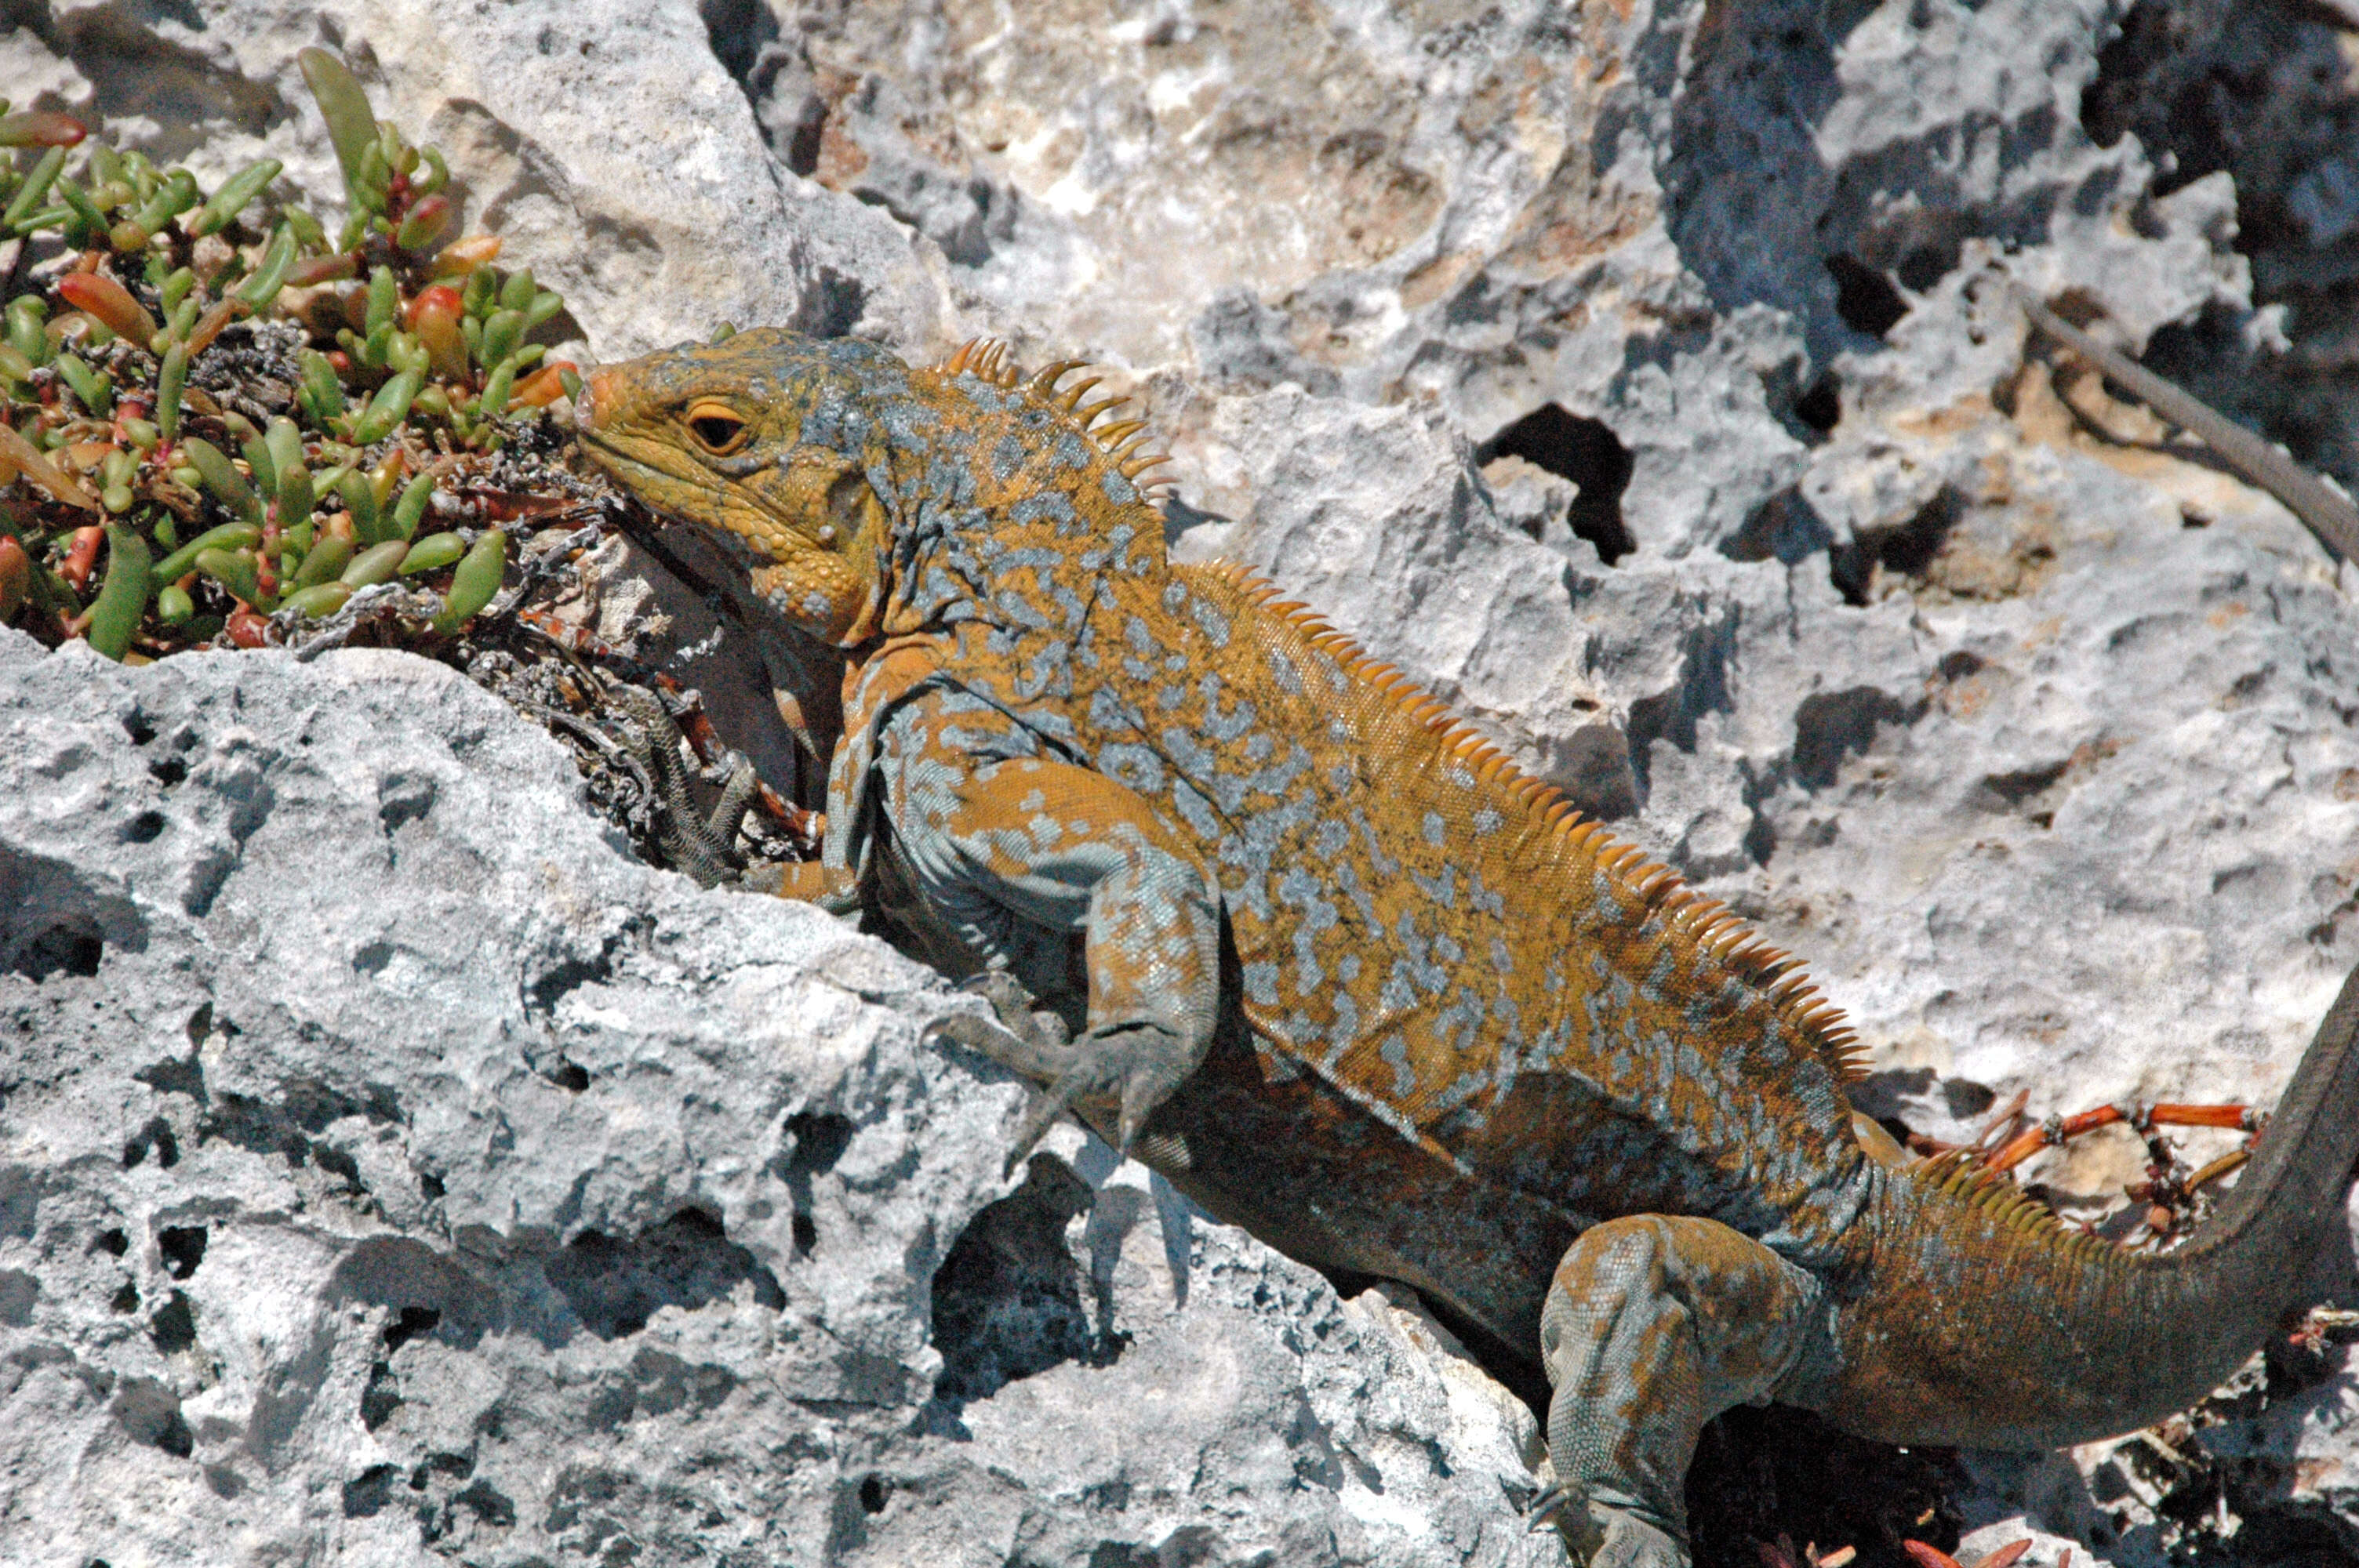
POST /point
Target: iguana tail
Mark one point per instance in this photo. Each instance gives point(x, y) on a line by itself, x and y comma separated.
point(1985, 1322)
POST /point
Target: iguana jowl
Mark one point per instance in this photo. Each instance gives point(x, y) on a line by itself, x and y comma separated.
point(1352, 980)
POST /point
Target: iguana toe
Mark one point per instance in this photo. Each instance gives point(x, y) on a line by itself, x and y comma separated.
point(1031, 1043)
point(1625, 1540)
point(1013, 1005)
point(1139, 1062)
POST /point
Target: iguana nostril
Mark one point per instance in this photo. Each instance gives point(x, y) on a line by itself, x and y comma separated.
point(595, 404)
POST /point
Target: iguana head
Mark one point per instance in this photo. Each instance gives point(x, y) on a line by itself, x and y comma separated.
point(865, 496)
point(766, 441)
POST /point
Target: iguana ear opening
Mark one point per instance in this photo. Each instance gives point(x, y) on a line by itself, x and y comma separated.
point(852, 512)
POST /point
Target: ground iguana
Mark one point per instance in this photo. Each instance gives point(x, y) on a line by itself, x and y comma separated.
point(1345, 976)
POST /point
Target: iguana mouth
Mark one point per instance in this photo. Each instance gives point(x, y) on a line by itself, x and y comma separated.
point(602, 449)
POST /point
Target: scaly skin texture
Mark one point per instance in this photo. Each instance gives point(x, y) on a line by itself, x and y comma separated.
point(1346, 976)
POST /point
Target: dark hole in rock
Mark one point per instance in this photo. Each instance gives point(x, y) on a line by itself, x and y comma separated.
point(143, 828)
point(367, 1493)
point(73, 946)
point(796, 134)
point(136, 725)
point(488, 1505)
point(115, 1242)
point(381, 1398)
point(736, 30)
point(337, 1162)
point(819, 1139)
point(403, 797)
point(2011, 791)
point(1585, 452)
point(184, 1075)
point(225, 1483)
point(1784, 527)
point(1830, 726)
point(407, 1325)
point(429, 1185)
point(1922, 267)
point(1964, 1098)
point(569, 1076)
point(127, 1300)
point(150, 1413)
point(1008, 1301)
point(458, 1466)
point(872, 1494)
point(614, 1284)
point(1959, 665)
point(833, 306)
point(168, 771)
point(155, 1136)
point(1820, 405)
point(1908, 549)
point(182, 1247)
point(174, 1327)
point(1864, 298)
point(302, 1105)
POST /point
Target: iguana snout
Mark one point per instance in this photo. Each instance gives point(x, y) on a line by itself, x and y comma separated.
point(717, 433)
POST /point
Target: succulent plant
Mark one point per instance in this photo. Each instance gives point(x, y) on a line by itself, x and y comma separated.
point(223, 417)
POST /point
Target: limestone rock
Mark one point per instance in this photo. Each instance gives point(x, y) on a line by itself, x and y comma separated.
point(2009, 710)
point(390, 1166)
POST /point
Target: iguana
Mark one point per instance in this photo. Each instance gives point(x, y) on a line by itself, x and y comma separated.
point(1347, 977)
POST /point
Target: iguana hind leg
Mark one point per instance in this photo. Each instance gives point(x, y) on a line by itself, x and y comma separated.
point(1654, 1325)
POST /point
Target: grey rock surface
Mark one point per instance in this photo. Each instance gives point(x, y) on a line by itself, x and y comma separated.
point(1628, 373)
point(392, 1171)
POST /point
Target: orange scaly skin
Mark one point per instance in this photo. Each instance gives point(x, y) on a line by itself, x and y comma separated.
point(1350, 980)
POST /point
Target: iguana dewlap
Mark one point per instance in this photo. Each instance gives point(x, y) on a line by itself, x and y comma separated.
point(1349, 978)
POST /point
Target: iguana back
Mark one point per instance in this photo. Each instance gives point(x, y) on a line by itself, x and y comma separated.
point(1364, 988)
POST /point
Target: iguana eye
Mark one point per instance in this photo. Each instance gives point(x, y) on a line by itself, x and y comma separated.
point(717, 428)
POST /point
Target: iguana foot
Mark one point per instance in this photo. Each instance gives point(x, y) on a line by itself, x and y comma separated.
point(1030, 1043)
point(1607, 1536)
point(1140, 1062)
point(1041, 1030)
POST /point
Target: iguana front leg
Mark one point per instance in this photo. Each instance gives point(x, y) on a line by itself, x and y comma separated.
point(1654, 1325)
point(1013, 850)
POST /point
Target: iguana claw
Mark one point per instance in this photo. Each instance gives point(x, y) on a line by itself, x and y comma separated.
point(1547, 1505)
point(1142, 1061)
point(1601, 1537)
